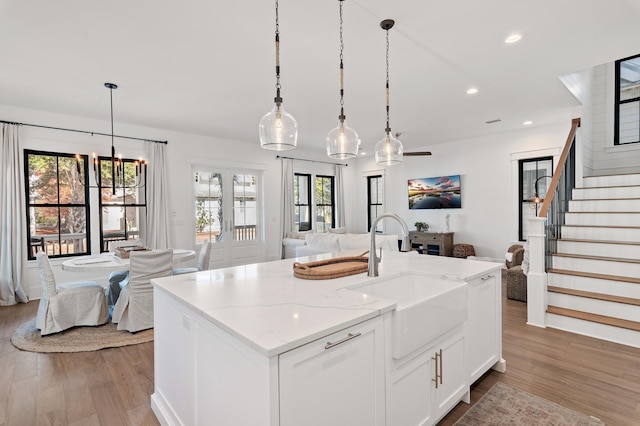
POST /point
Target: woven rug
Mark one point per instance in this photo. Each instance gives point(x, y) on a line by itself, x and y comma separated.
point(506, 405)
point(78, 339)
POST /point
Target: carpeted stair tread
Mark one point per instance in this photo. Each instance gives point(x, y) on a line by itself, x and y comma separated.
point(593, 295)
point(601, 319)
point(576, 240)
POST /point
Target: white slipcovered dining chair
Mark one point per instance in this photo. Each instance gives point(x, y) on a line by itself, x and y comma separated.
point(203, 260)
point(134, 309)
point(68, 305)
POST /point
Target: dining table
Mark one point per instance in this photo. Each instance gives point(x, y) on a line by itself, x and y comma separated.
point(108, 262)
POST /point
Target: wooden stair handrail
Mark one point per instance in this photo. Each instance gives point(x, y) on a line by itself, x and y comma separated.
point(575, 123)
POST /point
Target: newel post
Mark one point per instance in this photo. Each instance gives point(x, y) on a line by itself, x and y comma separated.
point(537, 276)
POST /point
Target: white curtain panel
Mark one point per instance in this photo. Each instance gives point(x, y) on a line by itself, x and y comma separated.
point(340, 220)
point(12, 218)
point(288, 206)
point(158, 229)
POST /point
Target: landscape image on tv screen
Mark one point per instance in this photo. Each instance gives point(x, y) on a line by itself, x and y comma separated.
point(441, 192)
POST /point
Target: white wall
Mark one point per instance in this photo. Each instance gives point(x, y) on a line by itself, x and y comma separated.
point(488, 167)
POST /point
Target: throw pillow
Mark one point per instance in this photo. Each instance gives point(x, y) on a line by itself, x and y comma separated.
point(342, 230)
point(326, 242)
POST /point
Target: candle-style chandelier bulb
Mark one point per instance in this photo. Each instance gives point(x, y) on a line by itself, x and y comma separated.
point(278, 129)
point(342, 142)
point(389, 150)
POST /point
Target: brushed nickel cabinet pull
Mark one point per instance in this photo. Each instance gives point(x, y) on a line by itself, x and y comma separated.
point(440, 365)
point(488, 277)
point(350, 336)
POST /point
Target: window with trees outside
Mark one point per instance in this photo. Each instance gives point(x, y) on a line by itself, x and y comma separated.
point(209, 209)
point(57, 201)
point(375, 199)
point(324, 203)
point(535, 177)
point(302, 201)
point(627, 107)
point(123, 206)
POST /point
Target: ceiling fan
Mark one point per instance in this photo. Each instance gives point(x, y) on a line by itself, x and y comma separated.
point(415, 153)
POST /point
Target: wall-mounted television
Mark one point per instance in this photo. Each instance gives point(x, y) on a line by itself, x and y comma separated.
point(442, 192)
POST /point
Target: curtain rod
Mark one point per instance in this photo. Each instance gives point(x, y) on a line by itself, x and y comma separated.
point(312, 161)
point(81, 131)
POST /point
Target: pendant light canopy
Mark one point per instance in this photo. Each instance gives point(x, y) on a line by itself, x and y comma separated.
point(389, 149)
point(342, 142)
point(278, 129)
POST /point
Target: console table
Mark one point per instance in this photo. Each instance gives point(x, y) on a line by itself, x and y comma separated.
point(436, 243)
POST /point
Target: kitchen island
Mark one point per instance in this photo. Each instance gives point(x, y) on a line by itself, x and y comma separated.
point(254, 345)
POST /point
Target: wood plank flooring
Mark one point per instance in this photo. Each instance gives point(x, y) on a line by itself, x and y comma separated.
point(113, 386)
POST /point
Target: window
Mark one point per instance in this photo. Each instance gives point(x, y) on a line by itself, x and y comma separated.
point(57, 199)
point(375, 199)
point(123, 206)
point(534, 174)
point(302, 201)
point(627, 107)
point(325, 206)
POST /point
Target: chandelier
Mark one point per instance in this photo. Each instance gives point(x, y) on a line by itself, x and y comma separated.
point(122, 176)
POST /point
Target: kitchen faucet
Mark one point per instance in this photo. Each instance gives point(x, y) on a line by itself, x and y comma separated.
point(373, 259)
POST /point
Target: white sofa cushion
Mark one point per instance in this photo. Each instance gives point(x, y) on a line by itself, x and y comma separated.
point(342, 230)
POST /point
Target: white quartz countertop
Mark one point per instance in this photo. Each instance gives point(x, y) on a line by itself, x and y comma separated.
point(266, 307)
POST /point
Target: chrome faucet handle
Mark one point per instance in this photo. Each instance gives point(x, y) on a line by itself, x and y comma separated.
point(380, 257)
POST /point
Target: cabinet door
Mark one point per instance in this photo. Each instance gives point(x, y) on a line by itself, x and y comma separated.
point(337, 380)
point(484, 334)
point(449, 371)
point(409, 393)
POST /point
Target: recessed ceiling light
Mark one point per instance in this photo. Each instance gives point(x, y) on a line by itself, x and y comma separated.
point(363, 153)
point(472, 91)
point(513, 38)
point(528, 123)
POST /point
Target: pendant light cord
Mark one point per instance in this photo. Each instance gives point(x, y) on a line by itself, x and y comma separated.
point(278, 98)
point(341, 117)
point(388, 129)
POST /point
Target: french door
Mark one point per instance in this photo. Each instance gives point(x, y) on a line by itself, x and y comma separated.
point(227, 213)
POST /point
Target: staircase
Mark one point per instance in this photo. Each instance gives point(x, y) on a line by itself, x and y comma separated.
point(594, 283)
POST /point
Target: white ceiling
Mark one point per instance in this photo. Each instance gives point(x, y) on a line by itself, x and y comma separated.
point(207, 67)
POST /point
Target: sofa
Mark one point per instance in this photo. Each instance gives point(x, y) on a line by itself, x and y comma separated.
point(318, 243)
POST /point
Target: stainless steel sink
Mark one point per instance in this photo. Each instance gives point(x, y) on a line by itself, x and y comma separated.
point(426, 308)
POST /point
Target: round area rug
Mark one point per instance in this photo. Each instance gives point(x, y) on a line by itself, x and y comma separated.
point(78, 339)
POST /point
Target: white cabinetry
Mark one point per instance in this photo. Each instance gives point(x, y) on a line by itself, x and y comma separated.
point(424, 389)
point(337, 380)
point(484, 326)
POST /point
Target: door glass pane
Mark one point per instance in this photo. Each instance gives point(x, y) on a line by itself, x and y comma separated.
point(629, 127)
point(209, 209)
point(244, 207)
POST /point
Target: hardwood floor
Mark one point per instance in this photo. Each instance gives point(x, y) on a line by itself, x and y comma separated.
point(113, 386)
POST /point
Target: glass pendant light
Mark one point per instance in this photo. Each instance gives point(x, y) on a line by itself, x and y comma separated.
point(278, 129)
point(342, 142)
point(389, 149)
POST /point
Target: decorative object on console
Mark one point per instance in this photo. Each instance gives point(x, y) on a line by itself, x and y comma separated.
point(441, 192)
point(421, 226)
point(342, 142)
point(388, 151)
point(278, 129)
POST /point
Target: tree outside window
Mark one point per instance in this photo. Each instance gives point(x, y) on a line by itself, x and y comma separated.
point(324, 203)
